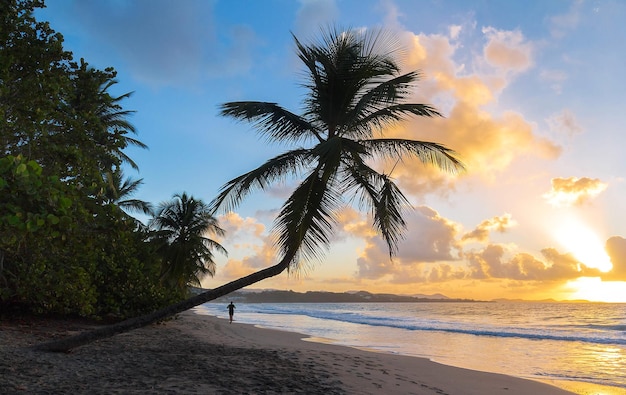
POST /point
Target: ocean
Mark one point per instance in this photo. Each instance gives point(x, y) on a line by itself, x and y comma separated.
point(583, 342)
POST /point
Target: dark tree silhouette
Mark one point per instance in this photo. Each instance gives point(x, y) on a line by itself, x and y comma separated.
point(356, 89)
point(180, 227)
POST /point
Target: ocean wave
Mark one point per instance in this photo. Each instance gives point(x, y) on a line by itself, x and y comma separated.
point(598, 334)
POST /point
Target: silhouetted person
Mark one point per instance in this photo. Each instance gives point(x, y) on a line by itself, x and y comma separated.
point(231, 311)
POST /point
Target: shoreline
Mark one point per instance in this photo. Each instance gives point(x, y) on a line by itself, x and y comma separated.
point(572, 387)
point(468, 381)
point(201, 354)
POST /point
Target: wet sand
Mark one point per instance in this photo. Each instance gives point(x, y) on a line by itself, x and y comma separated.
point(198, 354)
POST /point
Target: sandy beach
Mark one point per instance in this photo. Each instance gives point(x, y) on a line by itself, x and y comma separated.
point(197, 354)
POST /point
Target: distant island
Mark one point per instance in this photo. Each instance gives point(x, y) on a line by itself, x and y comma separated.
point(277, 296)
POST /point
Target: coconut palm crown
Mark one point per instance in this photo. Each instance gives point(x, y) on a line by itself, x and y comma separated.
point(181, 226)
point(355, 91)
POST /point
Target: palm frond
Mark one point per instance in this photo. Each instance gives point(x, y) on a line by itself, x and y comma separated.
point(271, 120)
point(429, 153)
point(118, 189)
point(340, 68)
point(305, 223)
point(136, 205)
point(277, 168)
point(383, 198)
point(378, 107)
point(355, 88)
point(214, 245)
point(364, 125)
point(388, 214)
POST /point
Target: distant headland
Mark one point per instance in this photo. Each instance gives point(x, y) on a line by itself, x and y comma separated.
point(279, 296)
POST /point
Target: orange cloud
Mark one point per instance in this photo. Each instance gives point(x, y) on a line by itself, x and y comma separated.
point(234, 225)
point(487, 143)
point(432, 252)
point(234, 269)
point(616, 248)
point(429, 238)
point(481, 233)
point(353, 223)
point(570, 191)
point(491, 263)
point(507, 49)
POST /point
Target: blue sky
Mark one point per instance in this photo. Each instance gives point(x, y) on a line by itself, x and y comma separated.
point(532, 93)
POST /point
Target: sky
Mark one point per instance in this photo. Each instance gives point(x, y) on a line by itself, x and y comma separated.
point(532, 97)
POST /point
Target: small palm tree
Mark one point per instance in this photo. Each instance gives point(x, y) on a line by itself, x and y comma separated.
point(180, 228)
point(356, 89)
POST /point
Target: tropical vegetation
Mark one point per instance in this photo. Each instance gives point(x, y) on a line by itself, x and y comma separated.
point(68, 244)
point(355, 90)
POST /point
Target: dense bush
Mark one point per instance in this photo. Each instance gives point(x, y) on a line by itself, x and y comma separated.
point(65, 246)
point(61, 255)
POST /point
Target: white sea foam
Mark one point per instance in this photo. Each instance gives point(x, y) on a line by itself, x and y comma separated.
point(564, 341)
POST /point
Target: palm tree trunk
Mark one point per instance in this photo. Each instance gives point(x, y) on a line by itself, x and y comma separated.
point(69, 343)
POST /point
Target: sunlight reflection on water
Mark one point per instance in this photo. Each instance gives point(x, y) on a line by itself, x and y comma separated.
point(527, 351)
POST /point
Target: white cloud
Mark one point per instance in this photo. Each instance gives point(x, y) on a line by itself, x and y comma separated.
point(564, 123)
point(315, 13)
point(165, 43)
point(561, 24)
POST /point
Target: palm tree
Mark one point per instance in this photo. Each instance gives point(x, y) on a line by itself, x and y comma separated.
point(118, 190)
point(180, 226)
point(356, 89)
point(115, 119)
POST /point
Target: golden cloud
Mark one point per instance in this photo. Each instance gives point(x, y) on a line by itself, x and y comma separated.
point(507, 49)
point(570, 191)
point(234, 225)
point(616, 248)
point(429, 238)
point(487, 143)
point(432, 252)
point(499, 224)
point(491, 263)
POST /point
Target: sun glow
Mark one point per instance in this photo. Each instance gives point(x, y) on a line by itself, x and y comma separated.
point(596, 290)
point(584, 244)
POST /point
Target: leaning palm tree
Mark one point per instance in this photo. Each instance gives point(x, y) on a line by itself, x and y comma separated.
point(356, 89)
point(180, 228)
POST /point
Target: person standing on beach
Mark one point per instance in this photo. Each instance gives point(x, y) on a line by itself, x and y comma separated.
point(231, 311)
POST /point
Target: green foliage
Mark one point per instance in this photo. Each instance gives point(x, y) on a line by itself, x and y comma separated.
point(54, 110)
point(66, 246)
point(39, 218)
point(62, 253)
